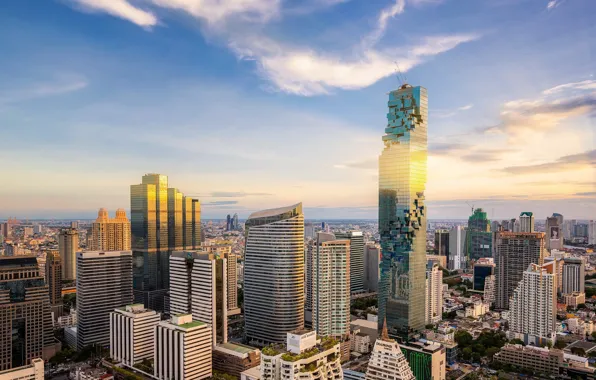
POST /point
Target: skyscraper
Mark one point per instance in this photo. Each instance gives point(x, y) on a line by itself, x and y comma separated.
point(109, 234)
point(554, 232)
point(356, 259)
point(53, 270)
point(68, 244)
point(387, 361)
point(457, 248)
point(478, 236)
point(483, 268)
point(514, 252)
point(175, 219)
point(442, 243)
point(25, 314)
point(235, 225)
point(573, 275)
point(274, 299)
point(104, 283)
point(533, 313)
point(434, 293)
point(402, 214)
point(228, 222)
point(526, 222)
point(592, 232)
point(132, 334)
point(372, 261)
point(331, 286)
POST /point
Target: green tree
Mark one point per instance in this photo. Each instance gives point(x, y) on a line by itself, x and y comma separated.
point(466, 353)
point(491, 351)
point(463, 338)
point(593, 334)
point(517, 341)
point(560, 344)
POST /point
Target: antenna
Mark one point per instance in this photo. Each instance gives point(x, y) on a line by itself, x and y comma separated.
point(471, 206)
point(403, 79)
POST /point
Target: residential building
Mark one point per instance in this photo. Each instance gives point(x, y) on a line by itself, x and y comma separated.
point(554, 233)
point(53, 278)
point(478, 236)
point(132, 334)
point(427, 359)
point(514, 252)
point(232, 281)
point(574, 275)
point(372, 262)
point(104, 283)
point(559, 268)
point(32, 371)
point(199, 287)
point(434, 293)
point(309, 254)
point(331, 286)
point(538, 359)
point(360, 342)
point(110, 234)
point(489, 290)
point(25, 313)
point(387, 361)
point(305, 357)
point(574, 299)
point(356, 268)
point(457, 247)
point(483, 268)
point(183, 349)
point(274, 239)
point(235, 358)
point(68, 244)
point(526, 222)
point(592, 232)
point(533, 308)
point(366, 327)
point(402, 214)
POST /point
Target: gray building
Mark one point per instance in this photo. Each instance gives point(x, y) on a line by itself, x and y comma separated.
point(356, 259)
point(372, 261)
point(574, 275)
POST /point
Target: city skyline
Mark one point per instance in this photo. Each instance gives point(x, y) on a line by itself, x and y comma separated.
point(120, 84)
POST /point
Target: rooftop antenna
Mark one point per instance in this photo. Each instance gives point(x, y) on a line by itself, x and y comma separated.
point(471, 206)
point(403, 79)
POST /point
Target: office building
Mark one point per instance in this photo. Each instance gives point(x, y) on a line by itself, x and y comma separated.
point(442, 243)
point(514, 252)
point(478, 236)
point(53, 278)
point(309, 253)
point(533, 308)
point(434, 293)
point(199, 287)
point(372, 262)
point(104, 283)
point(426, 359)
point(175, 219)
point(457, 248)
point(235, 358)
point(554, 237)
point(228, 222)
point(274, 239)
point(573, 275)
point(538, 359)
point(110, 234)
point(25, 313)
point(483, 268)
point(331, 286)
point(232, 281)
point(305, 357)
point(197, 233)
point(68, 244)
point(356, 269)
point(387, 361)
point(132, 334)
point(402, 214)
point(33, 371)
point(526, 222)
point(183, 349)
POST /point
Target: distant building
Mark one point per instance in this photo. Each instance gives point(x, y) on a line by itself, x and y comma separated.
point(482, 269)
point(592, 232)
point(68, 244)
point(573, 275)
point(489, 290)
point(53, 277)
point(526, 221)
point(235, 358)
point(457, 247)
point(109, 234)
point(537, 359)
point(442, 243)
point(434, 293)
point(478, 236)
point(554, 232)
point(372, 261)
point(132, 334)
point(356, 271)
point(33, 371)
point(387, 361)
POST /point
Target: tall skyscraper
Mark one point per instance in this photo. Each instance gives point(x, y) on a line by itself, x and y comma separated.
point(25, 314)
point(356, 259)
point(372, 262)
point(442, 243)
point(592, 232)
point(68, 244)
point(402, 214)
point(554, 233)
point(526, 222)
point(175, 219)
point(104, 283)
point(235, 225)
point(132, 334)
point(232, 280)
point(199, 286)
point(533, 312)
point(478, 236)
point(387, 361)
point(274, 299)
point(457, 248)
point(309, 253)
point(53, 278)
point(514, 252)
point(574, 275)
point(109, 234)
point(434, 293)
point(331, 286)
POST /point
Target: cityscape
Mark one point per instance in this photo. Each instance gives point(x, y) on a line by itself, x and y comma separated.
point(153, 228)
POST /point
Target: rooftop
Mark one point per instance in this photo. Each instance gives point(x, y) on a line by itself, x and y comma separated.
point(192, 324)
point(236, 347)
point(274, 211)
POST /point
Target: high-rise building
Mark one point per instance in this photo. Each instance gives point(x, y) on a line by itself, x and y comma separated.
point(514, 252)
point(478, 236)
point(109, 234)
point(53, 278)
point(197, 235)
point(104, 283)
point(457, 248)
point(592, 232)
point(483, 268)
point(387, 361)
point(356, 259)
point(402, 214)
point(573, 275)
point(274, 299)
point(235, 225)
point(132, 334)
point(489, 290)
point(199, 286)
point(533, 309)
point(33, 371)
point(228, 222)
point(331, 286)
point(68, 244)
point(442, 243)
point(495, 226)
point(434, 293)
point(372, 262)
point(176, 226)
point(25, 313)
point(516, 225)
point(309, 253)
point(426, 359)
point(183, 349)
point(526, 222)
point(554, 237)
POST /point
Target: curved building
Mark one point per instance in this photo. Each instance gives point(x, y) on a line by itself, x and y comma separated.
point(274, 274)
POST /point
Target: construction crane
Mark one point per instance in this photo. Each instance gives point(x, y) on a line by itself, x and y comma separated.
point(471, 206)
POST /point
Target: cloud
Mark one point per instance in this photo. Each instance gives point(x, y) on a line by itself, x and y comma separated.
point(553, 4)
point(441, 149)
point(120, 8)
point(587, 194)
point(61, 84)
point(445, 114)
point(570, 162)
point(237, 194)
point(371, 163)
point(218, 203)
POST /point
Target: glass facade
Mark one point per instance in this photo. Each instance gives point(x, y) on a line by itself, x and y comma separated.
point(175, 219)
point(402, 215)
point(479, 239)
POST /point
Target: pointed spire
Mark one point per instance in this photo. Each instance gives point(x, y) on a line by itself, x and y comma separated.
point(384, 333)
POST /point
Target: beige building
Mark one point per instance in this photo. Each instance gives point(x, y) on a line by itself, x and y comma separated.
point(574, 299)
point(538, 359)
point(33, 371)
point(110, 234)
point(68, 244)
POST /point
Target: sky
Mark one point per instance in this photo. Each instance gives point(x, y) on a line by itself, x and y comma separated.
point(255, 104)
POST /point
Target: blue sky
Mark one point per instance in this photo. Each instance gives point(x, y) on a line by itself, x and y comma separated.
point(252, 104)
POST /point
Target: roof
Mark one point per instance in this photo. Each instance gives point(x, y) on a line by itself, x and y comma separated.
point(18, 261)
point(274, 211)
point(365, 323)
point(239, 348)
point(585, 345)
point(192, 324)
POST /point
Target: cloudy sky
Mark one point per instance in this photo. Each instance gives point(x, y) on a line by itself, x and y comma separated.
point(252, 104)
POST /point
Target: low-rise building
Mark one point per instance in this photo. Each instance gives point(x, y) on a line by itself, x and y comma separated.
point(234, 358)
point(33, 371)
point(538, 359)
point(370, 328)
point(360, 342)
point(70, 336)
point(574, 299)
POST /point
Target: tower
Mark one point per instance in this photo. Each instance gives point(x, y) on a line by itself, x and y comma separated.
point(387, 360)
point(478, 236)
point(526, 222)
point(109, 234)
point(68, 244)
point(53, 270)
point(356, 259)
point(434, 293)
point(402, 214)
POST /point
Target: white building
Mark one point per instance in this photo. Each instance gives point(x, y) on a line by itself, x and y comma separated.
point(434, 293)
point(132, 334)
point(457, 246)
point(183, 349)
point(573, 275)
point(359, 342)
point(489, 290)
point(526, 222)
point(533, 307)
point(591, 232)
point(33, 371)
point(387, 361)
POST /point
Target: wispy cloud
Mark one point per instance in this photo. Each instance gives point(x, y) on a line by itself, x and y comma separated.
point(236, 194)
point(552, 4)
point(61, 84)
point(119, 8)
point(371, 163)
point(570, 162)
point(218, 203)
point(450, 113)
point(217, 11)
